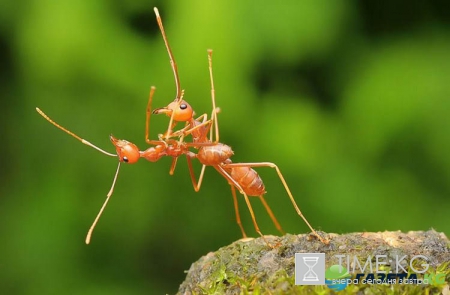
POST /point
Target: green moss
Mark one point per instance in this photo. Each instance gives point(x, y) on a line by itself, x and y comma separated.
point(252, 267)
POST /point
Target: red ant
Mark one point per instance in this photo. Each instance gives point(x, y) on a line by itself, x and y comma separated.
point(210, 153)
point(215, 154)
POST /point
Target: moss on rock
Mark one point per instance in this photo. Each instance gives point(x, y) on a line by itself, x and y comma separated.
point(252, 267)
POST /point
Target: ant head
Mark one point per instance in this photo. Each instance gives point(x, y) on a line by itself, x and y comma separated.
point(126, 151)
point(182, 111)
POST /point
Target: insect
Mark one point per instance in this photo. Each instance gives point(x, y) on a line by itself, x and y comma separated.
point(240, 176)
point(210, 152)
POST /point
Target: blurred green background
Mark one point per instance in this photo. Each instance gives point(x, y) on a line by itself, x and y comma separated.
point(350, 98)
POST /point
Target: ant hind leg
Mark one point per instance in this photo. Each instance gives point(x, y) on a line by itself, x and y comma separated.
point(236, 209)
point(272, 216)
point(283, 181)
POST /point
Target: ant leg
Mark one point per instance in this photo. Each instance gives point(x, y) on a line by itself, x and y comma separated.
point(216, 126)
point(213, 98)
point(213, 121)
point(172, 167)
point(208, 124)
point(175, 159)
point(204, 117)
point(172, 123)
point(291, 197)
point(233, 192)
point(272, 216)
point(199, 136)
point(236, 209)
point(179, 133)
point(186, 130)
point(196, 185)
point(233, 182)
point(147, 120)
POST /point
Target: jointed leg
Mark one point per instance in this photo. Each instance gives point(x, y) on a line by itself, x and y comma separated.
point(233, 191)
point(272, 216)
point(233, 182)
point(213, 98)
point(213, 122)
point(236, 209)
point(172, 167)
point(188, 129)
point(147, 120)
point(272, 165)
point(196, 186)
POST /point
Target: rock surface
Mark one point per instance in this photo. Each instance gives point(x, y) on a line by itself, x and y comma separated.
point(252, 266)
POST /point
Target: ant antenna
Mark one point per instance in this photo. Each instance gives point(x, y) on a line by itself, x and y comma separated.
point(73, 134)
point(88, 237)
point(91, 229)
point(180, 93)
point(89, 234)
point(172, 59)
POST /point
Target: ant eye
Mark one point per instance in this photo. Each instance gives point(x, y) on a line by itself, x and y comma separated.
point(125, 159)
point(183, 106)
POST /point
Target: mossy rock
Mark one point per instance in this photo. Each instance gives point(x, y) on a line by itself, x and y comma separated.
point(251, 266)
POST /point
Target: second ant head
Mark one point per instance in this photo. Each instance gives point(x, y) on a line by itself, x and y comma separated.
point(126, 151)
point(182, 111)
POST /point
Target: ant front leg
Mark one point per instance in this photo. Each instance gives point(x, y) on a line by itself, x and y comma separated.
point(147, 121)
point(211, 125)
point(213, 99)
point(189, 130)
point(291, 197)
point(199, 129)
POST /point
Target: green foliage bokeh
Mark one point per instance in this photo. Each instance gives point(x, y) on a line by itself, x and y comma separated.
point(352, 106)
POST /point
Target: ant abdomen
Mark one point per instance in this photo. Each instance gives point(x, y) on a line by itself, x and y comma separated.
point(249, 180)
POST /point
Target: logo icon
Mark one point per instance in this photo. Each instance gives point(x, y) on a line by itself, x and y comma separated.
point(336, 277)
point(310, 268)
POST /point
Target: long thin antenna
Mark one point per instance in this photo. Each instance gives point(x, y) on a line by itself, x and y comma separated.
point(73, 134)
point(172, 59)
point(91, 229)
